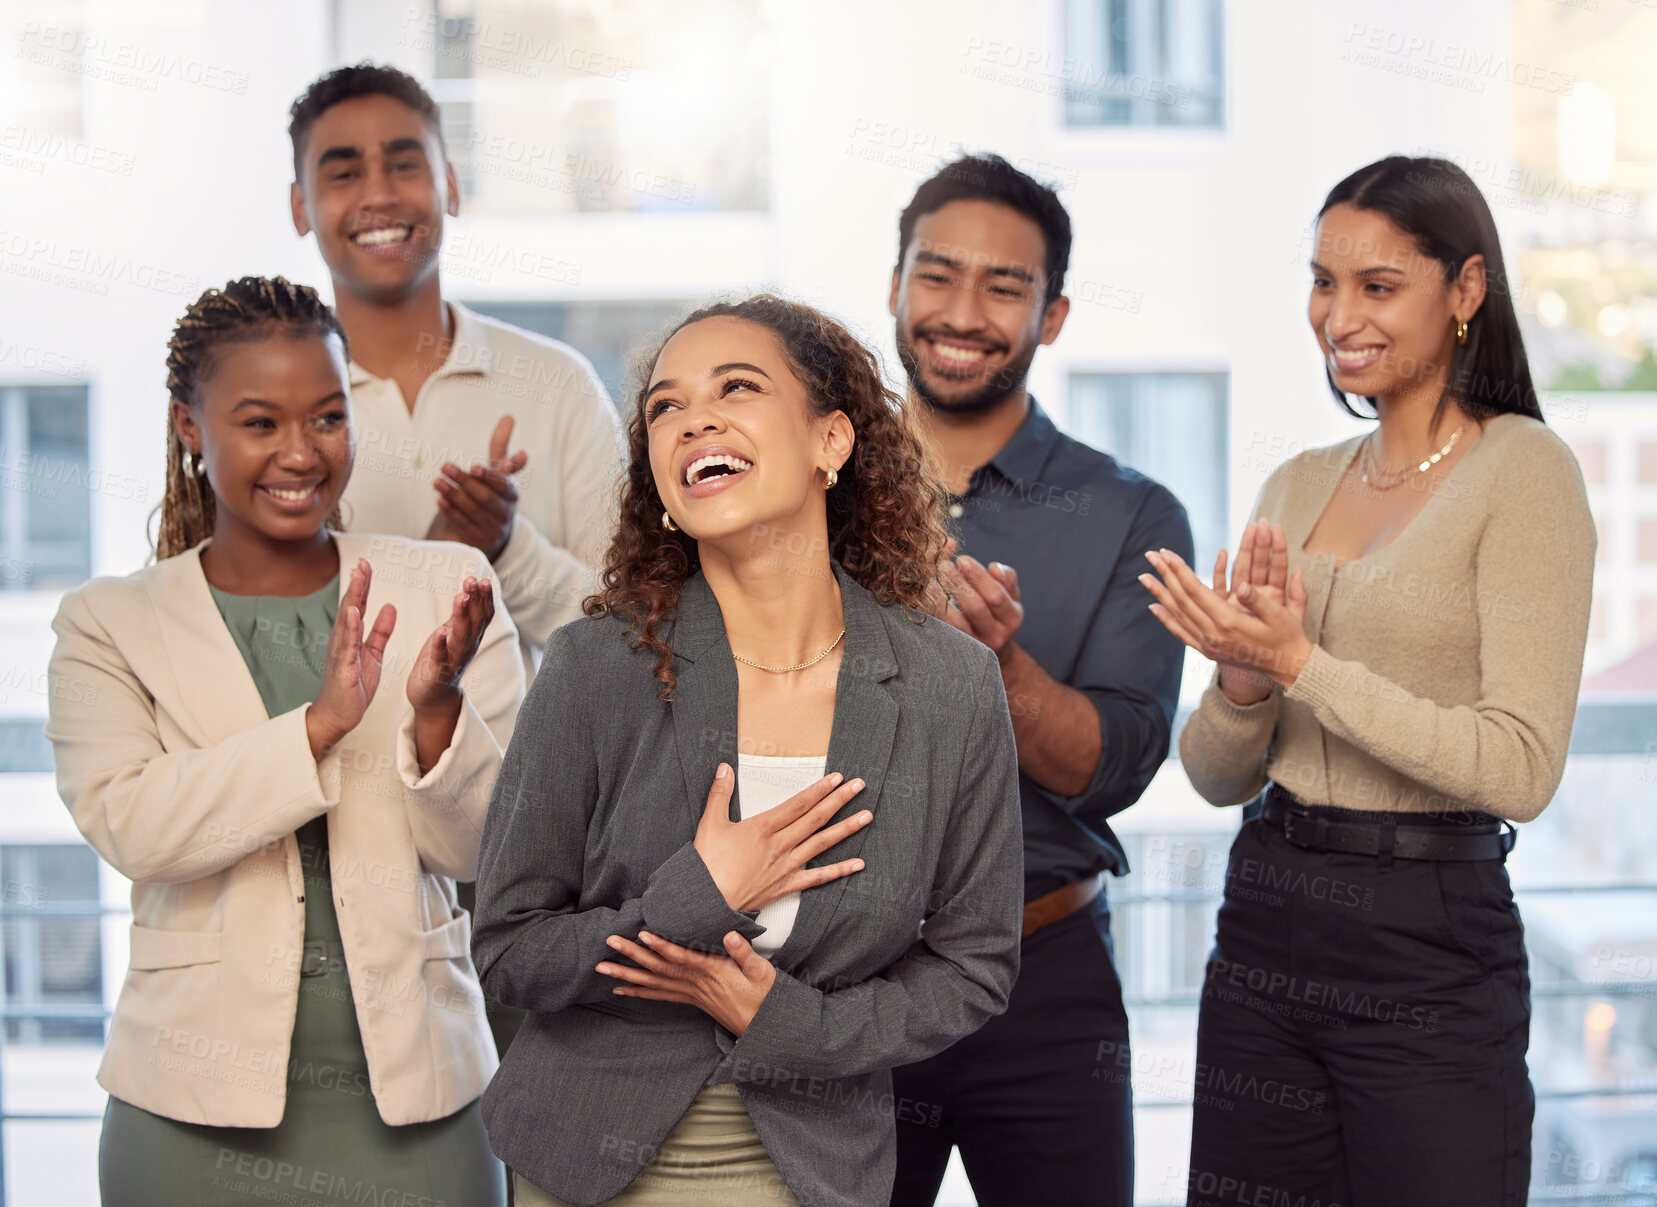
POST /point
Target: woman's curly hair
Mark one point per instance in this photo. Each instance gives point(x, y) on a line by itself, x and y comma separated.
point(885, 515)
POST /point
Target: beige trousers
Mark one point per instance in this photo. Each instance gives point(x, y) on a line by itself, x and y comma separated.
point(713, 1156)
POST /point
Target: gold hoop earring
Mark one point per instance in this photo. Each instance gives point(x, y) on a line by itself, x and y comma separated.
point(667, 522)
point(830, 478)
point(1461, 331)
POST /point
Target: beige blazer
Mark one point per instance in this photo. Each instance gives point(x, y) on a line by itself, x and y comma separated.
point(177, 777)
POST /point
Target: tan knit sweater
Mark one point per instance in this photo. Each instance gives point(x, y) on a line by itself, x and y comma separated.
point(1446, 664)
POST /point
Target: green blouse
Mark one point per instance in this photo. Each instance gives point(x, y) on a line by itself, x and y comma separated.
point(284, 641)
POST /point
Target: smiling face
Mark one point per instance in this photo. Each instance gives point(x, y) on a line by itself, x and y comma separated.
point(375, 188)
point(272, 422)
point(971, 304)
point(1382, 311)
point(735, 443)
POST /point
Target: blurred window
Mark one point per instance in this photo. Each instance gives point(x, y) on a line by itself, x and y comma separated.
point(1169, 426)
point(613, 335)
point(46, 488)
point(1143, 63)
point(573, 107)
point(51, 961)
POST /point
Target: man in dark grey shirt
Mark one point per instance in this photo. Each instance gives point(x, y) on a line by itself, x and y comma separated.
point(1039, 1100)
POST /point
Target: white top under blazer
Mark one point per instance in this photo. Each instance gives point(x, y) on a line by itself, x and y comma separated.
point(767, 781)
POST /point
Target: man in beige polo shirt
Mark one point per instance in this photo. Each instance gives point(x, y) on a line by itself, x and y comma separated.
point(441, 396)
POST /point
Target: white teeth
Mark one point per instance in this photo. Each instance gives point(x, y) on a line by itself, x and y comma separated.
point(380, 236)
point(962, 355)
point(290, 496)
point(735, 464)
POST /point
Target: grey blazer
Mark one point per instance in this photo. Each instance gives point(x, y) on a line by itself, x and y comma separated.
point(589, 834)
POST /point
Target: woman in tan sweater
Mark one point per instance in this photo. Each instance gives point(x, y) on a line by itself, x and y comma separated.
point(1399, 647)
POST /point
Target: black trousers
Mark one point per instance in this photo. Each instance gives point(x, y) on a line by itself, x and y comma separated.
point(1038, 1099)
point(1362, 1033)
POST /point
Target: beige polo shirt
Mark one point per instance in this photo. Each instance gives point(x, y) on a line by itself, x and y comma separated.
point(563, 420)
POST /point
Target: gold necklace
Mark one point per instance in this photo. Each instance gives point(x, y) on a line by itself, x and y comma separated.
point(1390, 478)
point(781, 670)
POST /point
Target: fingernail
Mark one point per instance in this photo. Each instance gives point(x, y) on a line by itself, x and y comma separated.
point(857, 865)
point(646, 937)
point(835, 778)
point(613, 941)
point(722, 772)
point(865, 817)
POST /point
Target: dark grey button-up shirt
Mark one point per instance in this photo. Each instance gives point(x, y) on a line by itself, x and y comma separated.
point(1075, 524)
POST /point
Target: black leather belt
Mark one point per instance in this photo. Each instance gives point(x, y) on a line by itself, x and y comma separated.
point(1454, 837)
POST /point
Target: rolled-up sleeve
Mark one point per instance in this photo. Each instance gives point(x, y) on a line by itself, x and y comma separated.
point(1129, 669)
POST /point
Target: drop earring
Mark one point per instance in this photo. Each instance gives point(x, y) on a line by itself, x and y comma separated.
point(667, 522)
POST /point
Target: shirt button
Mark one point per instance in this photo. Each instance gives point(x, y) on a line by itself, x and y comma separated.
point(956, 511)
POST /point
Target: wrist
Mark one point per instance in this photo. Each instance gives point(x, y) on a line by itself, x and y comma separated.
point(1290, 663)
point(1244, 688)
point(494, 552)
point(440, 706)
point(321, 735)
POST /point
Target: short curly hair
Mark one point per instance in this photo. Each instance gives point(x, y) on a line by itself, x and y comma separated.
point(885, 514)
point(348, 83)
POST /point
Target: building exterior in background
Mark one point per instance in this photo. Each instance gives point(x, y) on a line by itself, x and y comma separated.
point(623, 160)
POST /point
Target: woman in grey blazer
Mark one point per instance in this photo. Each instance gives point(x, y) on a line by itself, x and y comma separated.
point(757, 838)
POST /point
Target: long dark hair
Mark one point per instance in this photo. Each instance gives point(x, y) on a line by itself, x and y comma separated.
point(1438, 205)
point(244, 311)
point(885, 515)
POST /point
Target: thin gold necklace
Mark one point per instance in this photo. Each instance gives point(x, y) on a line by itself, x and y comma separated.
point(1390, 478)
point(782, 670)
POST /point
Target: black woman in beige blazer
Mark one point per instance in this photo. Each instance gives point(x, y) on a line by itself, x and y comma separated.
point(604, 907)
point(285, 736)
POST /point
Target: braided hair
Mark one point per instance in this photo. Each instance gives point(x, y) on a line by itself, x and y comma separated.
point(244, 311)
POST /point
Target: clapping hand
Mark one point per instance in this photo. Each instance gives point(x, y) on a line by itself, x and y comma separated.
point(476, 506)
point(982, 601)
point(434, 683)
point(1254, 629)
point(351, 668)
